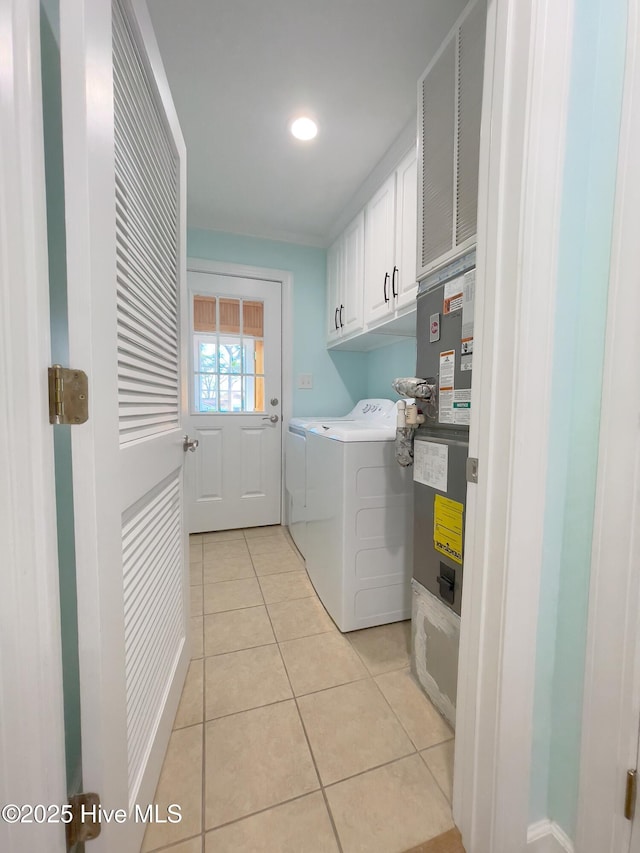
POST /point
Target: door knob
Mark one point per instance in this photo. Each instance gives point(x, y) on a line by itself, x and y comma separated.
point(273, 418)
point(190, 444)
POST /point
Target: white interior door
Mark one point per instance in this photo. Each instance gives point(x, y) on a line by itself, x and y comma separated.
point(125, 200)
point(234, 479)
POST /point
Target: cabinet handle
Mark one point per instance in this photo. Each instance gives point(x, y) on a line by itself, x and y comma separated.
point(341, 310)
point(393, 282)
point(335, 319)
point(384, 286)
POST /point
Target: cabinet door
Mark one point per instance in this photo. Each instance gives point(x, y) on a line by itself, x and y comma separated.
point(350, 314)
point(334, 263)
point(470, 74)
point(437, 109)
point(404, 284)
point(379, 252)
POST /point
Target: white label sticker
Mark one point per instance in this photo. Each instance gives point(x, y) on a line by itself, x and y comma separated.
point(445, 396)
point(453, 294)
point(468, 303)
point(461, 405)
point(445, 409)
point(466, 362)
point(430, 464)
point(447, 370)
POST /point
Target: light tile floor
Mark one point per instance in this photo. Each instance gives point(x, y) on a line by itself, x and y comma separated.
point(290, 736)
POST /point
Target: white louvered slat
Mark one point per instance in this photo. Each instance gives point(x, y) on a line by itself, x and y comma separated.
point(153, 613)
point(438, 141)
point(471, 41)
point(147, 207)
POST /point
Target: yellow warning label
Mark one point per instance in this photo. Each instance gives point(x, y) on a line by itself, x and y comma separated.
point(447, 527)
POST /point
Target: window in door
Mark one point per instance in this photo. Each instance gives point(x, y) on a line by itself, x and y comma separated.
point(228, 355)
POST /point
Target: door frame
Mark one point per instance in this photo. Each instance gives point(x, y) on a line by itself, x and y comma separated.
point(612, 674)
point(526, 90)
point(286, 281)
point(32, 750)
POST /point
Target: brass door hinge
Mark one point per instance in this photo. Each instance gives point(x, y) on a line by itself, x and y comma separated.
point(68, 396)
point(630, 794)
point(85, 824)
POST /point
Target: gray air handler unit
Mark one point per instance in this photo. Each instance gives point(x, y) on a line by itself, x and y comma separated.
point(441, 448)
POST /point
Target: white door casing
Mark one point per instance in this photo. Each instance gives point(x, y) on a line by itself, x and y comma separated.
point(127, 459)
point(32, 757)
point(612, 673)
point(526, 85)
point(235, 477)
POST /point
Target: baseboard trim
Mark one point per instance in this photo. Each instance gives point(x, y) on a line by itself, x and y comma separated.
point(546, 836)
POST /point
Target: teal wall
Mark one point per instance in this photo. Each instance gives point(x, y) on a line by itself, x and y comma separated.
point(56, 238)
point(388, 363)
point(580, 322)
point(339, 378)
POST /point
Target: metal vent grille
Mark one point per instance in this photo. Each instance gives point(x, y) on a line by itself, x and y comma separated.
point(154, 614)
point(147, 199)
point(438, 135)
point(470, 72)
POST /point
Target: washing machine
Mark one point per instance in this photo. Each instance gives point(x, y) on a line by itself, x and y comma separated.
point(296, 465)
point(359, 531)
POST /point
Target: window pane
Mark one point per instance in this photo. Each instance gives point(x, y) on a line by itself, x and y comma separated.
point(206, 392)
point(206, 355)
point(230, 356)
point(225, 394)
point(249, 394)
point(249, 355)
point(253, 318)
point(259, 394)
point(230, 316)
point(259, 357)
point(236, 394)
point(204, 313)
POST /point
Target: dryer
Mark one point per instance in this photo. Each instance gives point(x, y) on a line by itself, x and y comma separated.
point(296, 464)
point(359, 522)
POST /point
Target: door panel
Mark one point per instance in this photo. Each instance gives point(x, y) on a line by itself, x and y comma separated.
point(407, 230)
point(379, 252)
point(234, 479)
point(125, 212)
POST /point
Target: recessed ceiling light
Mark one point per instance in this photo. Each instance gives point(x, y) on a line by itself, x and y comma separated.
point(304, 128)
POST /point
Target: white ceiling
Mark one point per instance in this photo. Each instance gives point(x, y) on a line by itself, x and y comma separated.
point(239, 70)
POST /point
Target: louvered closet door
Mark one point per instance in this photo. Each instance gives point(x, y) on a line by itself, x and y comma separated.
point(124, 184)
point(148, 310)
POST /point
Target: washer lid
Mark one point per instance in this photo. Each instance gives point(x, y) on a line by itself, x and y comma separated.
point(300, 426)
point(355, 431)
point(367, 411)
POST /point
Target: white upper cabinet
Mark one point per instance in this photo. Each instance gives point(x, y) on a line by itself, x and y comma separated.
point(379, 254)
point(449, 111)
point(404, 287)
point(345, 277)
point(334, 260)
point(353, 252)
point(390, 244)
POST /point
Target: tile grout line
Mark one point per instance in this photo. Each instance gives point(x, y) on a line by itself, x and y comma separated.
point(393, 711)
point(174, 844)
point(433, 776)
point(308, 742)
